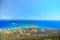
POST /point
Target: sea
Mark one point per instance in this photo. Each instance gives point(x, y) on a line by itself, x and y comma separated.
point(11, 24)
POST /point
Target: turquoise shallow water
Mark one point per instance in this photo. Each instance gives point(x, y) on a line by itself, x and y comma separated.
point(10, 24)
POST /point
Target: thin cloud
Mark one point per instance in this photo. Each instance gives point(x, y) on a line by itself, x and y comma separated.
point(5, 17)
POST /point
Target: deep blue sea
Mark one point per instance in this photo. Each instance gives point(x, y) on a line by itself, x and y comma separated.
point(5, 24)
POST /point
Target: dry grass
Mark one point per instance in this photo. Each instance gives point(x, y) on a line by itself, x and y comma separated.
point(12, 35)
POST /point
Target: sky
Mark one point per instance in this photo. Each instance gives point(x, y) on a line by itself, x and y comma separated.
point(29, 9)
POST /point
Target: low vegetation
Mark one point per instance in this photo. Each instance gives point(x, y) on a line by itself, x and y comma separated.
point(29, 34)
